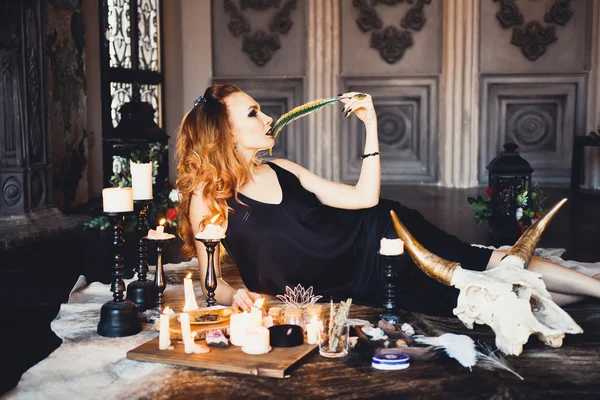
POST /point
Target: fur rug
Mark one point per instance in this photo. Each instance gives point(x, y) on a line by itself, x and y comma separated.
point(89, 366)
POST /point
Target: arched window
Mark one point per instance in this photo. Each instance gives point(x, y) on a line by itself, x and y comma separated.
point(131, 57)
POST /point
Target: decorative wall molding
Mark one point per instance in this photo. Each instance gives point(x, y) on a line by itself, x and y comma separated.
point(592, 159)
point(391, 42)
point(260, 45)
point(533, 38)
point(407, 114)
point(540, 114)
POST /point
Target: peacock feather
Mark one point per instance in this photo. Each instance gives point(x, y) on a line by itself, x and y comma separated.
point(301, 111)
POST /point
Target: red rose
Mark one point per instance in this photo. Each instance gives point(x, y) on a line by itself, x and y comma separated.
point(489, 192)
point(172, 214)
point(537, 214)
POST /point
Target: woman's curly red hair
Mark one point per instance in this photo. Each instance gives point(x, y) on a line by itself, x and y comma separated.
point(208, 163)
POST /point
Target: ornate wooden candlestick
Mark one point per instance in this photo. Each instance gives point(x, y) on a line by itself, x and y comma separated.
point(210, 282)
point(141, 291)
point(160, 283)
point(118, 317)
point(390, 313)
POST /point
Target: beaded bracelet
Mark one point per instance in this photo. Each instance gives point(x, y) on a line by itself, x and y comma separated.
point(369, 155)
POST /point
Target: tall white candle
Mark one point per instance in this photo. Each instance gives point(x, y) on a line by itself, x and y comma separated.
point(312, 331)
point(141, 180)
point(117, 199)
point(190, 297)
point(188, 341)
point(164, 338)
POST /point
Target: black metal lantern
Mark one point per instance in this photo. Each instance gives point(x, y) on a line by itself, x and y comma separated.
point(509, 175)
point(136, 131)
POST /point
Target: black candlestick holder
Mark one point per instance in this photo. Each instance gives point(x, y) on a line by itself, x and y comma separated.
point(160, 283)
point(118, 317)
point(141, 292)
point(210, 282)
point(390, 274)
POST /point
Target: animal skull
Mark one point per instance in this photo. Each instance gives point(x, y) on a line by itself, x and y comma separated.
point(509, 298)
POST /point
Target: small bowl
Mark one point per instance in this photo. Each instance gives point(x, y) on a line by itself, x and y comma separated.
point(286, 335)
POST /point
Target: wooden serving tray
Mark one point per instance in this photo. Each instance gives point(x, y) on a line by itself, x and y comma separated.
point(274, 364)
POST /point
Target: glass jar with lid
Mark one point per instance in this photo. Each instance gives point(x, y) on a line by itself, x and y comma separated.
point(293, 316)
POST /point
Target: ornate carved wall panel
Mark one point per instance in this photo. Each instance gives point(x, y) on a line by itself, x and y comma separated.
point(261, 38)
point(391, 37)
point(407, 112)
point(538, 113)
point(551, 36)
point(276, 96)
point(24, 160)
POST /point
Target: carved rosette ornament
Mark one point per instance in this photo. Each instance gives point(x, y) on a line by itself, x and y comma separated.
point(390, 41)
point(260, 45)
point(533, 38)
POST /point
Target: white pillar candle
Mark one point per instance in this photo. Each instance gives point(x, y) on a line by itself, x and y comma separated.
point(190, 297)
point(164, 338)
point(238, 323)
point(160, 228)
point(257, 341)
point(391, 247)
point(312, 331)
point(141, 180)
point(188, 340)
point(117, 199)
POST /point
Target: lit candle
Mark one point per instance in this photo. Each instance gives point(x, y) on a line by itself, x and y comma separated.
point(117, 199)
point(161, 226)
point(164, 338)
point(256, 313)
point(238, 323)
point(141, 180)
point(257, 341)
point(188, 339)
point(391, 247)
point(190, 297)
point(212, 231)
point(312, 330)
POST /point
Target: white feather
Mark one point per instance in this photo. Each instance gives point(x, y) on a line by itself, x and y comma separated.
point(460, 347)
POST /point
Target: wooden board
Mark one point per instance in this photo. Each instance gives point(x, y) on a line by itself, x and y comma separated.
point(274, 364)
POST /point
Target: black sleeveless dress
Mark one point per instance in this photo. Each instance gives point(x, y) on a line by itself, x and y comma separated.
point(301, 241)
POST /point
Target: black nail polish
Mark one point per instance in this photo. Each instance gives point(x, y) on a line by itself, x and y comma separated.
point(348, 113)
point(343, 109)
point(339, 94)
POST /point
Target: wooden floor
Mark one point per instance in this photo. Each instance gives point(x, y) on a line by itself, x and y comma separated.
point(576, 228)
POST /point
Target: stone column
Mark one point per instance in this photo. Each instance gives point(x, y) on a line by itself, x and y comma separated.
point(460, 89)
point(323, 60)
point(592, 154)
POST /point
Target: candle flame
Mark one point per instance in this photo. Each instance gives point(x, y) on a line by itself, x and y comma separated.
point(166, 310)
point(214, 219)
point(162, 221)
point(259, 303)
point(189, 275)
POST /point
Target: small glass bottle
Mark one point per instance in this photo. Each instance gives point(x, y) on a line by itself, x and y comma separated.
point(293, 316)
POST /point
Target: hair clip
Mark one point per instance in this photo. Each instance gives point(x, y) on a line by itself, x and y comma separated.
point(199, 100)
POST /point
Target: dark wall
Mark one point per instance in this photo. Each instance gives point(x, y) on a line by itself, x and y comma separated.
point(67, 111)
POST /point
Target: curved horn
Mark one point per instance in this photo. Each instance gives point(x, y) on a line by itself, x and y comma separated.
point(525, 246)
point(435, 267)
